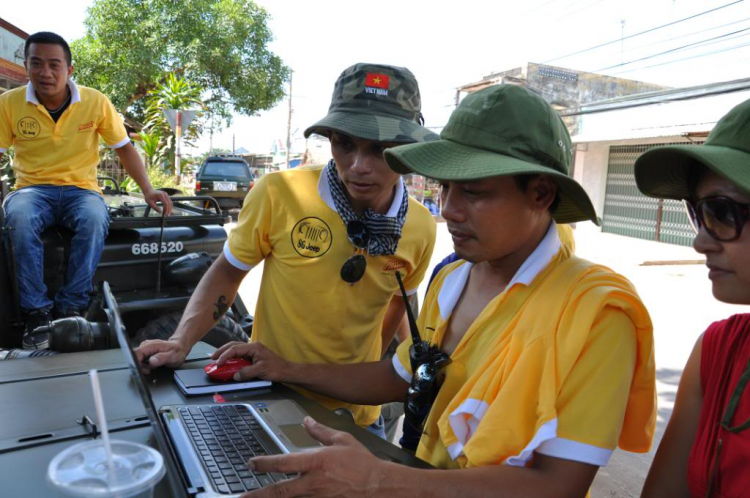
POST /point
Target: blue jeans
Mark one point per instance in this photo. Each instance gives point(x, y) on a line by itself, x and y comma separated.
point(378, 428)
point(29, 212)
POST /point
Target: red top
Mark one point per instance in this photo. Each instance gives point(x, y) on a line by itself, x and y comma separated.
point(724, 357)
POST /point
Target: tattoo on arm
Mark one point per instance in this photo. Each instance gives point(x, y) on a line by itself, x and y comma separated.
point(221, 308)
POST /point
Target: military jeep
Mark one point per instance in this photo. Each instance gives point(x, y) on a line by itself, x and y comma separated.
point(151, 263)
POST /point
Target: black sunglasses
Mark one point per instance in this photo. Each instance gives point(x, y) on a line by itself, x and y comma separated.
point(354, 267)
point(722, 217)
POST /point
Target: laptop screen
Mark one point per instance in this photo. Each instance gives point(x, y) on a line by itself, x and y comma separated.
point(173, 472)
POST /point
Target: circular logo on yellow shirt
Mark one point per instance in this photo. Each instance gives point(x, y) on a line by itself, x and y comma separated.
point(311, 237)
point(28, 128)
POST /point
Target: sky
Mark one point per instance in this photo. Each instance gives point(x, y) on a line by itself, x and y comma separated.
point(448, 44)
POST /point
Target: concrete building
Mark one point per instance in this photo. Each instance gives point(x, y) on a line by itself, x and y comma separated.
point(611, 136)
point(563, 88)
point(12, 72)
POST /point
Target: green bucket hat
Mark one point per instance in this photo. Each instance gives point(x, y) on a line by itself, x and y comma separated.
point(666, 172)
point(502, 130)
point(375, 102)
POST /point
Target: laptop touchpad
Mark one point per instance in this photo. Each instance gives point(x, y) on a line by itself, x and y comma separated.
point(298, 435)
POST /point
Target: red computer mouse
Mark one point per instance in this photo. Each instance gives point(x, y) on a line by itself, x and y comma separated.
point(225, 372)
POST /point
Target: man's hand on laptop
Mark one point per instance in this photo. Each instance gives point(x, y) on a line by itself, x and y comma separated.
point(156, 353)
point(344, 468)
point(266, 365)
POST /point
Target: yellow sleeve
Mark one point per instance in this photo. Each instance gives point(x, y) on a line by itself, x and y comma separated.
point(249, 242)
point(111, 128)
point(413, 279)
point(400, 360)
point(6, 129)
point(592, 401)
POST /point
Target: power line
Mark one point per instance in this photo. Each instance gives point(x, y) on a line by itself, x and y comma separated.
point(660, 97)
point(644, 32)
point(685, 58)
point(677, 49)
point(582, 9)
point(686, 35)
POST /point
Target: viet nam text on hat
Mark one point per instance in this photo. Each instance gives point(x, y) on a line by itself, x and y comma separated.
point(375, 102)
point(501, 130)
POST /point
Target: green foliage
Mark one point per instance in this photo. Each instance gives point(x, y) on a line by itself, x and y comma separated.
point(152, 147)
point(6, 171)
point(131, 46)
point(157, 139)
point(158, 177)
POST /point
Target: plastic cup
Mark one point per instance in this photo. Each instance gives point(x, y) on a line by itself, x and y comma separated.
point(81, 471)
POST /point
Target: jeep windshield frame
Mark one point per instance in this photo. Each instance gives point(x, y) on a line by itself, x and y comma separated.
point(131, 211)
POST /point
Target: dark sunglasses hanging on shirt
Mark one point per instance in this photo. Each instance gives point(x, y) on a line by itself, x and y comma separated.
point(354, 267)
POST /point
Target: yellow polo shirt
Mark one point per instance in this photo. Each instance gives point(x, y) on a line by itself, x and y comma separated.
point(561, 363)
point(305, 312)
point(62, 153)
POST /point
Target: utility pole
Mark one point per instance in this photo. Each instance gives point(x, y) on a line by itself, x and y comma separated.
point(233, 143)
point(622, 39)
point(211, 136)
point(289, 123)
point(178, 144)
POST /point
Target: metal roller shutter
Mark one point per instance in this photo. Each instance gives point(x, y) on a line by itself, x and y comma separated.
point(628, 212)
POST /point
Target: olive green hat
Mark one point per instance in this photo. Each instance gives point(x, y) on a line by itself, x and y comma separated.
point(375, 102)
point(667, 172)
point(501, 130)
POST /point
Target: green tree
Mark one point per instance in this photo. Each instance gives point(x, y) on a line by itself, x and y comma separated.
point(153, 148)
point(174, 93)
point(131, 46)
point(7, 174)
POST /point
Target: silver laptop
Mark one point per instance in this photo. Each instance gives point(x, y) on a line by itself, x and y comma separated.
point(206, 446)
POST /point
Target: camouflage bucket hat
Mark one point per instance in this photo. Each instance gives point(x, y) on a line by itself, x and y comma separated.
point(502, 130)
point(375, 102)
point(667, 172)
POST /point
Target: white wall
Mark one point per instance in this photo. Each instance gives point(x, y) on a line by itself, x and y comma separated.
point(9, 44)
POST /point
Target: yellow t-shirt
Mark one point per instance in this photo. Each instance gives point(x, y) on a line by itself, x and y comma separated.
point(305, 311)
point(562, 365)
point(62, 153)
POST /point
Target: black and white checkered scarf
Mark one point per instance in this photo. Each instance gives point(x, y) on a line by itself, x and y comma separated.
point(384, 231)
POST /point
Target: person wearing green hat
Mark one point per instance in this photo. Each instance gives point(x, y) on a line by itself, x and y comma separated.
point(330, 238)
point(533, 365)
point(706, 445)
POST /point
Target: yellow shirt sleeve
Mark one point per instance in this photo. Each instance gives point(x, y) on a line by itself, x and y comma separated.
point(249, 242)
point(111, 128)
point(412, 281)
point(592, 401)
point(6, 130)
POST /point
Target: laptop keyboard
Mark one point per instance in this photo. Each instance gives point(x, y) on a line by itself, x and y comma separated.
point(225, 437)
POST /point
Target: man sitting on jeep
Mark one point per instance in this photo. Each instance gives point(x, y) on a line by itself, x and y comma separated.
point(55, 126)
point(331, 239)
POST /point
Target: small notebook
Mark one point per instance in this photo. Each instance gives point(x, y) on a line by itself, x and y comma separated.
point(194, 382)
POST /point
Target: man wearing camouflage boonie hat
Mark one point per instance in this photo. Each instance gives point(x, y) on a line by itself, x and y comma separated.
point(331, 239)
point(552, 363)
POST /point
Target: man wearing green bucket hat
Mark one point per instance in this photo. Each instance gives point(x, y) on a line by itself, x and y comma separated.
point(706, 445)
point(550, 361)
point(330, 238)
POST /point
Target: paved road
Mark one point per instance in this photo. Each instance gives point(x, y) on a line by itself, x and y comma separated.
point(679, 299)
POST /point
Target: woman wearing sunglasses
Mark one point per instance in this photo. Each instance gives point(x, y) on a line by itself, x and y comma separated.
point(706, 446)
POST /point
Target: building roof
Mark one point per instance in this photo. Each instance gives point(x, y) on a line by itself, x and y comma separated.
point(685, 118)
point(12, 71)
point(13, 29)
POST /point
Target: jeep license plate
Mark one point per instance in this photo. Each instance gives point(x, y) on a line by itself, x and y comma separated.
point(225, 186)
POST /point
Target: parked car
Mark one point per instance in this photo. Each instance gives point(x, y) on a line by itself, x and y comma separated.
point(226, 178)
